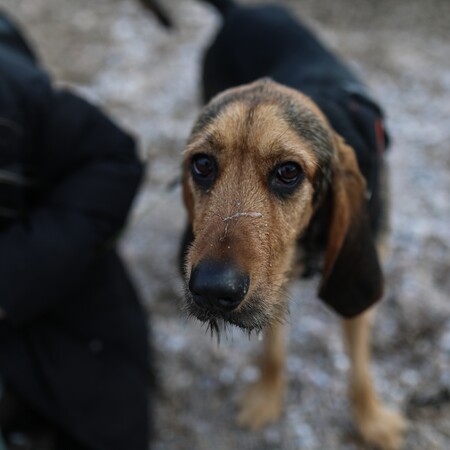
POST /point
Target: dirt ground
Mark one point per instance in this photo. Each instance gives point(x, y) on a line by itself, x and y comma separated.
point(147, 78)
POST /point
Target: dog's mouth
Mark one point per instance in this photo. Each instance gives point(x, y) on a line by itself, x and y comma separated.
point(252, 315)
point(247, 316)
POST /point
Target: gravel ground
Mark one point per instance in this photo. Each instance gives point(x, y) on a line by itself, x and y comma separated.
point(119, 57)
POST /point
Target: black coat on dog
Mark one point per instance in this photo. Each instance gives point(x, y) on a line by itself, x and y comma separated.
point(73, 342)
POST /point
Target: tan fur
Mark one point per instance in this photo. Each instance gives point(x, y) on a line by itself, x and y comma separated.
point(377, 424)
point(262, 403)
point(240, 219)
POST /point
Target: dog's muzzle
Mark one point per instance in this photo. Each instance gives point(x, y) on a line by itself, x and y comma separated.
point(218, 285)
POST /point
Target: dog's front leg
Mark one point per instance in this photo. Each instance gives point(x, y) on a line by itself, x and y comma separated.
point(378, 425)
point(262, 403)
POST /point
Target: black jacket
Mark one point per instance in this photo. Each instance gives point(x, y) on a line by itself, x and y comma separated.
point(74, 341)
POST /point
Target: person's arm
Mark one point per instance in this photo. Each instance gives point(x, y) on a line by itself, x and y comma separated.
point(94, 173)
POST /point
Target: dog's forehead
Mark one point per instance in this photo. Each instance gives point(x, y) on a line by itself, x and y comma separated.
point(267, 119)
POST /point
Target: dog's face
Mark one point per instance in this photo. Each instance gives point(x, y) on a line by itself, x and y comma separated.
point(255, 167)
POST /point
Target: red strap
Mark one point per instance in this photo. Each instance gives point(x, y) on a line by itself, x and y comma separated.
point(379, 135)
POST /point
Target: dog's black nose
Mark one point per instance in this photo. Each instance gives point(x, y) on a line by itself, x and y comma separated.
point(218, 285)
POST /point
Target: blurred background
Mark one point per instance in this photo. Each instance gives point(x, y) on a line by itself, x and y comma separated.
point(117, 55)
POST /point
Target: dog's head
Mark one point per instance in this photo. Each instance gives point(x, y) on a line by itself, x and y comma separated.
point(260, 160)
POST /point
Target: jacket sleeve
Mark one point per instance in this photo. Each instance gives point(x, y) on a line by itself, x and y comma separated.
point(92, 173)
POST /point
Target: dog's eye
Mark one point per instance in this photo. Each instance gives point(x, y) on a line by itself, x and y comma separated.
point(204, 169)
point(285, 178)
point(287, 174)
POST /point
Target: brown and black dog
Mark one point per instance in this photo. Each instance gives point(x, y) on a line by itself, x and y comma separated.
point(286, 156)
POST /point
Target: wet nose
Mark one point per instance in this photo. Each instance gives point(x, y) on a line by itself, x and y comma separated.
point(218, 285)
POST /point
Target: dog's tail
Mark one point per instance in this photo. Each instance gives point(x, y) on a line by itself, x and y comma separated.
point(158, 11)
point(223, 6)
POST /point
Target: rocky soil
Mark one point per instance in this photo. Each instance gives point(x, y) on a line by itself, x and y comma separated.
point(147, 78)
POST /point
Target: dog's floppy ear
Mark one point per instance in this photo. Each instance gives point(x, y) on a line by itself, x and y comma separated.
point(352, 279)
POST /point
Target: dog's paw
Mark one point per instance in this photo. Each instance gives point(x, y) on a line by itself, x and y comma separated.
point(261, 404)
point(382, 428)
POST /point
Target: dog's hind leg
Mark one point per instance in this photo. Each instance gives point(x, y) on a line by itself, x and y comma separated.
point(262, 403)
point(378, 425)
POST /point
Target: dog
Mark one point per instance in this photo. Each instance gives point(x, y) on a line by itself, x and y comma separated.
point(285, 159)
